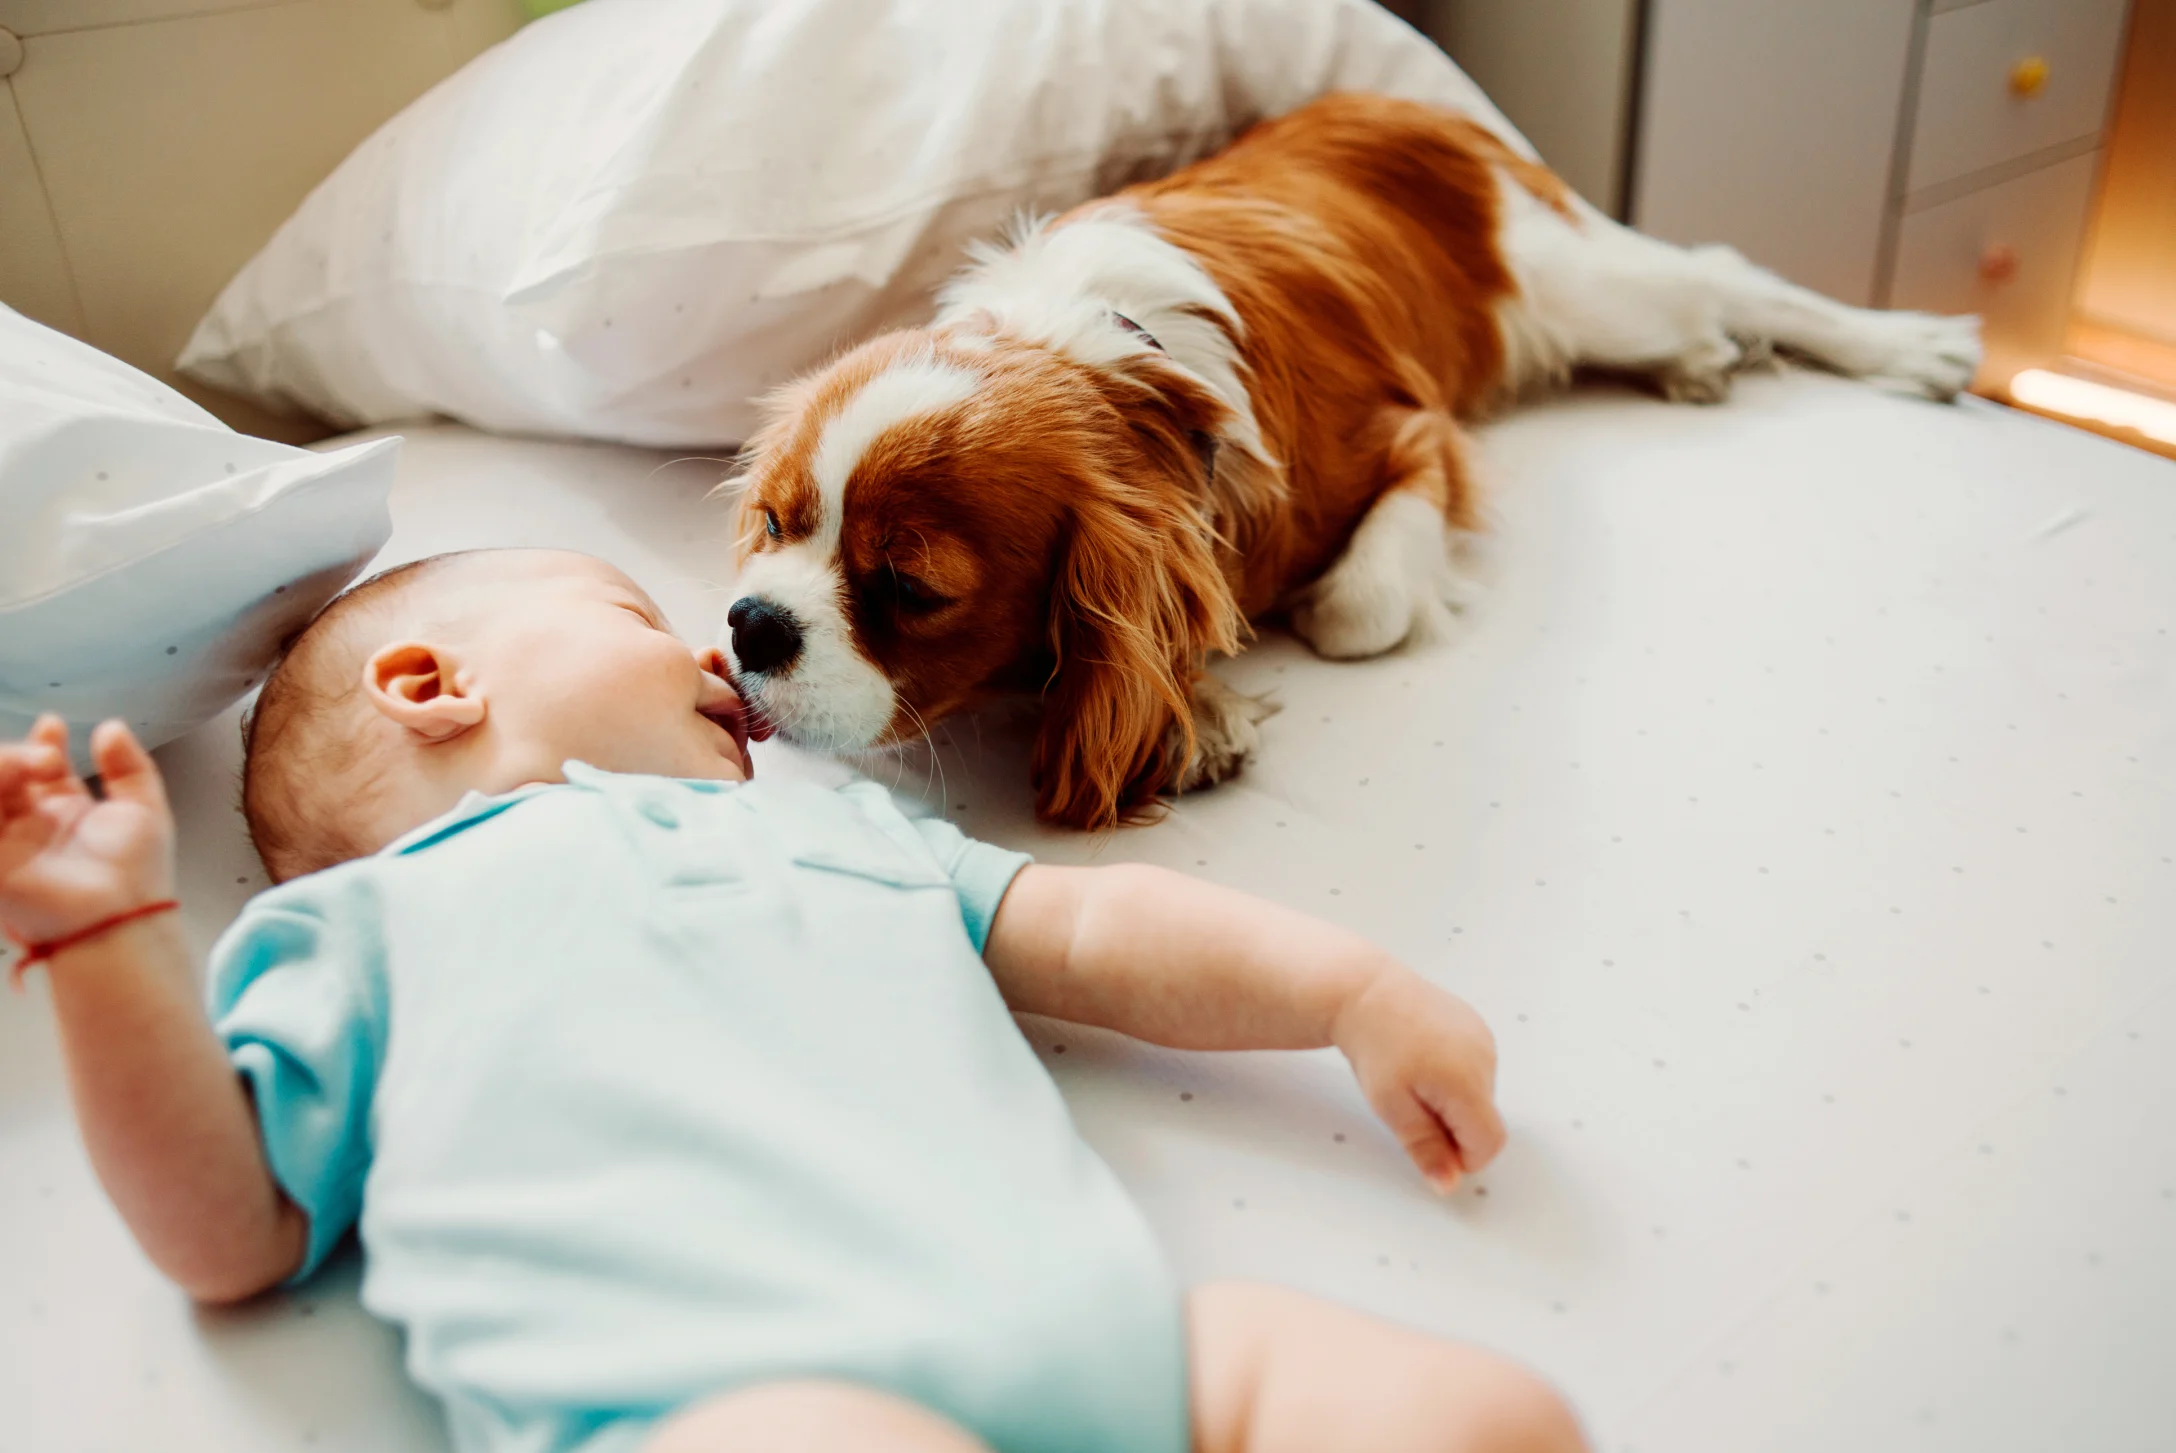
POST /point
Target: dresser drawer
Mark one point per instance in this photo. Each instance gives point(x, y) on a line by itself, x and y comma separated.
point(1981, 99)
point(2008, 253)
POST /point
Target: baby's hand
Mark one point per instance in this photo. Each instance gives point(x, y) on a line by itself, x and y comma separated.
point(1428, 1065)
point(68, 859)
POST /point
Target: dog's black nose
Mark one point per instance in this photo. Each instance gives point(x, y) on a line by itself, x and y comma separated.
point(766, 637)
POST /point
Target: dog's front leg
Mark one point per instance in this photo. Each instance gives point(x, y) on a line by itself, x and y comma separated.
point(1227, 729)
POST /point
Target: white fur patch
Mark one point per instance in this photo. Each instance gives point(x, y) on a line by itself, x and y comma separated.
point(1593, 292)
point(1394, 581)
point(831, 697)
point(904, 391)
point(1058, 286)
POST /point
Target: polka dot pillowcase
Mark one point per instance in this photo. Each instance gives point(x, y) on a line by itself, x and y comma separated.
point(152, 559)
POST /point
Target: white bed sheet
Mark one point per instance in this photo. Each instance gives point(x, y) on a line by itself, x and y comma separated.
point(1800, 806)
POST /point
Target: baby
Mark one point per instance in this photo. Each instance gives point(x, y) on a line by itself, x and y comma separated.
point(683, 1112)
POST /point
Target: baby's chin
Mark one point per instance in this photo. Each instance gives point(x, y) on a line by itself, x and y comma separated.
point(727, 770)
point(726, 760)
point(734, 760)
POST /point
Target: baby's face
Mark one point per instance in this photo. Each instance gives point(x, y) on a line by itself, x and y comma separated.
point(575, 660)
point(485, 672)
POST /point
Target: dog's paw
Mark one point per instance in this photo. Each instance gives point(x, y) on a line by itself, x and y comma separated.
point(1758, 355)
point(1397, 583)
point(1227, 731)
point(1351, 614)
point(1702, 373)
point(1393, 581)
point(1922, 353)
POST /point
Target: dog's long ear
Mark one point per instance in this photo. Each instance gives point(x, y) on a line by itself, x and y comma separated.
point(1138, 601)
point(783, 413)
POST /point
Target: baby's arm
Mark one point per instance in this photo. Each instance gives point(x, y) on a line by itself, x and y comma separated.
point(1175, 961)
point(169, 1126)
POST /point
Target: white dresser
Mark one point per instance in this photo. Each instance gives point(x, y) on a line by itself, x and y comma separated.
point(1936, 154)
point(1996, 165)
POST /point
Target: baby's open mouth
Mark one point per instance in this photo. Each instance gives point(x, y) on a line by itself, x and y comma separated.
point(760, 728)
point(754, 724)
point(742, 720)
point(734, 718)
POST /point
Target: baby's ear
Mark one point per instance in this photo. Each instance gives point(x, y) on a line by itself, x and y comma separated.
point(420, 688)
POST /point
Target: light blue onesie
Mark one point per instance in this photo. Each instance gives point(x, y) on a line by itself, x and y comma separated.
point(645, 1089)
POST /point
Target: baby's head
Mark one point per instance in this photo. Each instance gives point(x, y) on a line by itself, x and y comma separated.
point(480, 671)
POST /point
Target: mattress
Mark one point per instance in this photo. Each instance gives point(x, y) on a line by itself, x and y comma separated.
point(1798, 801)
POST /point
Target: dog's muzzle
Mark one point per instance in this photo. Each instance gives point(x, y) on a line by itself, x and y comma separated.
point(766, 635)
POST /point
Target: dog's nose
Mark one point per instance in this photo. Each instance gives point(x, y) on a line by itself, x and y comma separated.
point(766, 637)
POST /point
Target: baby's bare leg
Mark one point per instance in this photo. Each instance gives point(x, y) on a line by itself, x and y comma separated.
point(1276, 1372)
point(808, 1417)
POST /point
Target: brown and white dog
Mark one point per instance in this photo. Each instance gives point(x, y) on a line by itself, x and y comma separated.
point(1234, 392)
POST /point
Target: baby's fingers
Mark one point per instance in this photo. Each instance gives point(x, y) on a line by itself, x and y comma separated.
point(125, 769)
point(1470, 1115)
point(50, 731)
point(24, 768)
point(1427, 1143)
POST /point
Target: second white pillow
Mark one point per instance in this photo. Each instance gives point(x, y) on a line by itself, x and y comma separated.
point(151, 559)
point(636, 216)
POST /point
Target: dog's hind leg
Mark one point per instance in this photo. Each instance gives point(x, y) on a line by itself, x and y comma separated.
point(1591, 292)
point(1396, 580)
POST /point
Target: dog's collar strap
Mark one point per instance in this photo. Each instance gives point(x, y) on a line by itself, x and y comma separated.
point(1205, 443)
point(1137, 330)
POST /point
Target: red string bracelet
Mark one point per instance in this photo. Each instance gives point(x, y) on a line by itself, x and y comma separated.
point(34, 954)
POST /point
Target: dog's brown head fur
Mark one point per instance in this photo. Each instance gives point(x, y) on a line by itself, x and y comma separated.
point(939, 516)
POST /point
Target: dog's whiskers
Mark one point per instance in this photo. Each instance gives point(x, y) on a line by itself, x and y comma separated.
point(936, 759)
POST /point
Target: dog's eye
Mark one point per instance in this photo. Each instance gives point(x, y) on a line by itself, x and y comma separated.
point(913, 596)
point(770, 524)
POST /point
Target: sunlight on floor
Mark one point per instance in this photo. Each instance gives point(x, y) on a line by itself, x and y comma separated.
point(2095, 403)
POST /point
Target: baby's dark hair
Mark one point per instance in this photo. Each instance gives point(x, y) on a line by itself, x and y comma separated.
point(303, 764)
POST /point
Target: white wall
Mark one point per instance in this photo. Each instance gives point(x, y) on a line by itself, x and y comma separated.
point(1561, 70)
point(149, 147)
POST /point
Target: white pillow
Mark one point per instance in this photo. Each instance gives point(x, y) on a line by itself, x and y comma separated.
point(152, 559)
point(633, 217)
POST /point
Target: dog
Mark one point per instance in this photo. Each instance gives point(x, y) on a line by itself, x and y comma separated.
point(1234, 393)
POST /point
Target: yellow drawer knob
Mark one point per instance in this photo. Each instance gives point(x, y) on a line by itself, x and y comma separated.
point(2029, 76)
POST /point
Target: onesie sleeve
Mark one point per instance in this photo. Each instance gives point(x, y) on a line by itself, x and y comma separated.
point(296, 995)
point(980, 872)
